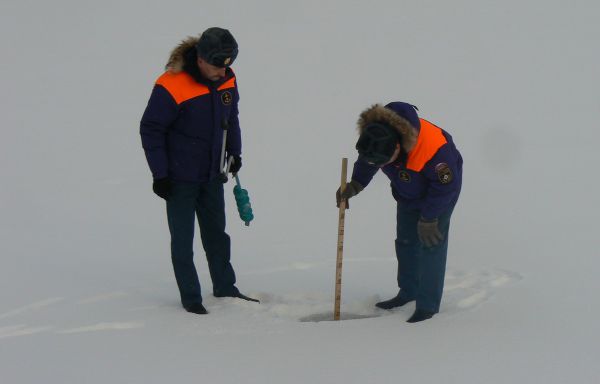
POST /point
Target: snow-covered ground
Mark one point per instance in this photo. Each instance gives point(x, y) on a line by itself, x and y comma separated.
point(87, 293)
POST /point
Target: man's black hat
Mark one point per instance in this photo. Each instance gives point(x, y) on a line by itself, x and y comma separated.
point(218, 47)
point(377, 143)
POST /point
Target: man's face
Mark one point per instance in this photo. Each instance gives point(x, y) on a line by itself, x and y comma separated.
point(209, 71)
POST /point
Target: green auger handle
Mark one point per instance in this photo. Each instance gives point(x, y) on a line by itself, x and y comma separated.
point(243, 202)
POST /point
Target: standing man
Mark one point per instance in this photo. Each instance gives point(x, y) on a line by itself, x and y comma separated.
point(425, 170)
point(191, 106)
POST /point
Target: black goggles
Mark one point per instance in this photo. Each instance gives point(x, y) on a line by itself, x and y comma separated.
point(222, 59)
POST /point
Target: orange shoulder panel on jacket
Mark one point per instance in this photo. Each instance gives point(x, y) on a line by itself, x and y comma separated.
point(181, 86)
point(430, 139)
point(228, 84)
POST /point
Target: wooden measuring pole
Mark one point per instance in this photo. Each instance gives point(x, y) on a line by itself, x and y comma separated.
point(340, 245)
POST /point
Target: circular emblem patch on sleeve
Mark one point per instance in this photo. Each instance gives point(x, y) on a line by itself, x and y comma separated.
point(444, 173)
point(226, 98)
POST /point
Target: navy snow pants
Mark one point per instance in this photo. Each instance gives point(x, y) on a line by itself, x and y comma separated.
point(421, 270)
point(204, 201)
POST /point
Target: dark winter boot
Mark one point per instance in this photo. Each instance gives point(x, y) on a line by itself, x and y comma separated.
point(397, 301)
point(235, 293)
point(244, 297)
point(420, 315)
point(196, 308)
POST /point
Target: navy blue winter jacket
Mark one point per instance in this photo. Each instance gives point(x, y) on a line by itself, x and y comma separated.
point(182, 126)
point(429, 178)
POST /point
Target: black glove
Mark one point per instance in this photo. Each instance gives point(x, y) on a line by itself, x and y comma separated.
point(236, 164)
point(429, 233)
point(162, 187)
point(352, 189)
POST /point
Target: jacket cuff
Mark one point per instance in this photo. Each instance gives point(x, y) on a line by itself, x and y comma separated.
point(427, 220)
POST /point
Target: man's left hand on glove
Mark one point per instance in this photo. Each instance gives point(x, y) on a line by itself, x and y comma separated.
point(236, 164)
point(429, 233)
point(353, 188)
point(162, 187)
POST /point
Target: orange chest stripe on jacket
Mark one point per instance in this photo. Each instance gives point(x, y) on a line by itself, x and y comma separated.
point(183, 87)
point(429, 141)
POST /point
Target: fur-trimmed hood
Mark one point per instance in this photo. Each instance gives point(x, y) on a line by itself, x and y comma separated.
point(184, 59)
point(177, 59)
point(380, 114)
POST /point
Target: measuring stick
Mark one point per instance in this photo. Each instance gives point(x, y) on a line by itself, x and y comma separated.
point(340, 245)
